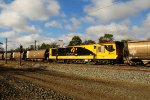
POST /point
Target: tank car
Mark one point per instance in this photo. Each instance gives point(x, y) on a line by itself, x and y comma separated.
point(138, 52)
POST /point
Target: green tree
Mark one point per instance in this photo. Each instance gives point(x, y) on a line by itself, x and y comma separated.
point(76, 40)
point(43, 46)
point(16, 50)
point(106, 38)
point(88, 42)
point(53, 45)
point(1, 49)
point(31, 47)
point(47, 46)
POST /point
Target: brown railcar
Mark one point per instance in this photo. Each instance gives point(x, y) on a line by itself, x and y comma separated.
point(16, 55)
point(139, 51)
point(1, 55)
point(37, 54)
point(9, 55)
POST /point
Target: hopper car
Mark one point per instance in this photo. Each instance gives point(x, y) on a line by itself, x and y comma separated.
point(16, 55)
point(1, 55)
point(37, 55)
point(9, 55)
point(138, 52)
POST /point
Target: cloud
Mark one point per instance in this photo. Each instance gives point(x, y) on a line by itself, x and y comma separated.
point(17, 14)
point(67, 38)
point(147, 21)
point(105, 9)
point(143, 30)
point(75, 24)
point(16, 22)
point(8, 34)
point(2, 4)
point(53, 24)
point(120, 31)
point(27, 38)
point(36, 9)
point(111, 28)
point(11, 19)
point(88, 19)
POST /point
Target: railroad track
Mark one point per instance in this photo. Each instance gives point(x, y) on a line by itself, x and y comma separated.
point(113, 67)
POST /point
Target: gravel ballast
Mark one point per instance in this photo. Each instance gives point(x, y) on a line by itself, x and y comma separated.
point(104, 73)
point(74, 81)
point(12, 88)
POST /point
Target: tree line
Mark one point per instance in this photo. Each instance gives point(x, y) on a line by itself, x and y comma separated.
point(76, 40)
point(39, 47)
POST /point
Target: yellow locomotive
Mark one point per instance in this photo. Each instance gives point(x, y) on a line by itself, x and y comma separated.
point(103, 53)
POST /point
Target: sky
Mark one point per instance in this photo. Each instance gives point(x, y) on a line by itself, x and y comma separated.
point(48, 21)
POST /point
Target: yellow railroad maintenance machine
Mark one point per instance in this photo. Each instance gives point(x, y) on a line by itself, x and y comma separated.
point(104, 53)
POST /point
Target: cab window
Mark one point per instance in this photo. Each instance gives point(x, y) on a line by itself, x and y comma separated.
point(109, 48)
point(101, 49)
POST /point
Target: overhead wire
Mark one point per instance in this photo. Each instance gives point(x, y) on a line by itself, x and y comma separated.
point(112, 4)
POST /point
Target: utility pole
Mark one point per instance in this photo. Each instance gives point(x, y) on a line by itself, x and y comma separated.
point(21, 55)
point(61, 42)
point(6, 52)
point(35, 44)
point(0, 46)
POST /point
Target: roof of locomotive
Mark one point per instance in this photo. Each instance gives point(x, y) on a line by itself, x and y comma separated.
point(97, 44)
point(89, 44)
point(138, 41)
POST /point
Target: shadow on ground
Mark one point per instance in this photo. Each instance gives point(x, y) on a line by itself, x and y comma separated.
point(4, 69)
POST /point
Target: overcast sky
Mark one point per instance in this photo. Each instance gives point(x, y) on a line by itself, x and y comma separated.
point(23, 21)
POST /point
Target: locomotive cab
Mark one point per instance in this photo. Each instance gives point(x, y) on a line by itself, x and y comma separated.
point(109, 53)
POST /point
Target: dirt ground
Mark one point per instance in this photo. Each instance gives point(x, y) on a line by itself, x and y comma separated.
point(40, 84)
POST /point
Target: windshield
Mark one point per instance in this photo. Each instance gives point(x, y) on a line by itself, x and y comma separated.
point(109, 48)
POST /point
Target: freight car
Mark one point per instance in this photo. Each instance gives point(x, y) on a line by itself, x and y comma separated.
point(37, 55)
point(1, 55)
point(16, 55)
point(138, 52)
point(104, 53)
point(9, 55)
